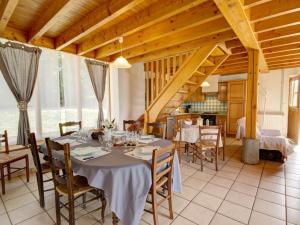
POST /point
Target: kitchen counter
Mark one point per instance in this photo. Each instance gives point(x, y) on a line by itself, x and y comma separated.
point(200, 114)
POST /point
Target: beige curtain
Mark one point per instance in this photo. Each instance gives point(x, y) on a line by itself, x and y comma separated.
point(97, 71)
point(19, 66)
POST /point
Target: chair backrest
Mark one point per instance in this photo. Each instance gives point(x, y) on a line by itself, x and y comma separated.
point(34, 152)
point(210, 134)
point(60, 162)
point(131, 125)
point(68, 124)
point(162, 165)
point(4, 139)
point(157, 129)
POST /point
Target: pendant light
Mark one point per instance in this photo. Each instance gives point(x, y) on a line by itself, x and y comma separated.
point(121, 62)
point(205, 84)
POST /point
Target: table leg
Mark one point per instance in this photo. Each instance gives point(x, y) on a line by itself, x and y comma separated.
point(115, 219)
point(2, 178)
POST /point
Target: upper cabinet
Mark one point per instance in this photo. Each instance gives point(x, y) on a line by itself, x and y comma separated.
point(222, 94)
point(236, 90)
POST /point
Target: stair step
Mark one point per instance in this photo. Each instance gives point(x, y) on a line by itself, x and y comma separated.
point(199, 73)
point(182, 92)
point(208, 62)
point(191, 82)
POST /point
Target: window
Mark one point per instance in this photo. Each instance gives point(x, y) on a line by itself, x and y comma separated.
point(63, 92)
point(294, 92)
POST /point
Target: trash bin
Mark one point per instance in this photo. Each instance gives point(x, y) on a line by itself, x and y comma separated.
point(250, 152)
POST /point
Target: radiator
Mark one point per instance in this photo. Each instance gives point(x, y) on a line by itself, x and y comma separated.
point(272, 121)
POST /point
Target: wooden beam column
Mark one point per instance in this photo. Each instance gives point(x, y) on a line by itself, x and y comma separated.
point(251, 102)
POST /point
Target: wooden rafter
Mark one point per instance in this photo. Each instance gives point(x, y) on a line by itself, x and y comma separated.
point(236, 16)
point(210, 28)
point(156, 12)
point(6, 11)
point(184, 47)
point(50, 16)
point(273, 8)
point(94, 20)
point(281, 42)
point(186, 22)
point(279, 33)
point(278, 22)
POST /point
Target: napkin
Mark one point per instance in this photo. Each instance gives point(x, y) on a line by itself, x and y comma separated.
point(148, 149)
point(65, 141)
point(88, 153)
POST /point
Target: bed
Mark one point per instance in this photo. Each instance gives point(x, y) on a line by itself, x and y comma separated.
point(268, 139)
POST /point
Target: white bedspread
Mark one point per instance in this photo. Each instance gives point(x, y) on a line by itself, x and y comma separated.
point(268, 139)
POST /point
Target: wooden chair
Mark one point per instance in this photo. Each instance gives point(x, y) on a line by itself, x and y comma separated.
point(157, 129)
point(41, 169)
point(205, 146)
point(180, 145)
point(68, 124)
point(6, 159)
point(223, 137)
point(68, 185)
point(162, 172)
point(131, 125)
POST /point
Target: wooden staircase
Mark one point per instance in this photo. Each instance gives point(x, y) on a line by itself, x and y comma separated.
point(171, 80)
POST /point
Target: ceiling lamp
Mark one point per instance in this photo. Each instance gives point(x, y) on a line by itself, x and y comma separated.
point(205, 84)
point(121, 62)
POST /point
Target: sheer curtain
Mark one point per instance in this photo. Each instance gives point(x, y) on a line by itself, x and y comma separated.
point(63, 92)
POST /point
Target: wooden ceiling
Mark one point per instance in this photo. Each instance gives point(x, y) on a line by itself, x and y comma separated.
point(154, 29)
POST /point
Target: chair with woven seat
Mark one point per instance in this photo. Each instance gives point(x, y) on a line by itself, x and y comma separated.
point(162, 173)
point(67, 185)
point(41, 169)
point(180, 145)
point(7, 158)
point(157, 129)
point(207, 144)
point(67, 125)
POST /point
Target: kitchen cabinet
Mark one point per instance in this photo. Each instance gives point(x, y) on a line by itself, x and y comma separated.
point(236, 104)
point(197, 96)
point(222, 94)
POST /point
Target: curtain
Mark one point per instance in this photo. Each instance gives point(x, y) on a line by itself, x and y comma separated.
point(97, 71)
point(19, 66)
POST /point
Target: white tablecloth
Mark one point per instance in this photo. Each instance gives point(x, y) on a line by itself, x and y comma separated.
point(191, 134)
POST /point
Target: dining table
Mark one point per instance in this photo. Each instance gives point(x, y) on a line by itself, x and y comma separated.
point(125, 177)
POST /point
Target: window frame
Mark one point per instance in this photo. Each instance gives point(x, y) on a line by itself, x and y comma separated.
point(292, 92)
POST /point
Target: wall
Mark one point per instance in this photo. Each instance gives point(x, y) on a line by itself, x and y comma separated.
point(211, 104)
point(128, 98)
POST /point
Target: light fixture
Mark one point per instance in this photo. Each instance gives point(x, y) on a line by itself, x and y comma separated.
point(205, 84)
point(121, 62)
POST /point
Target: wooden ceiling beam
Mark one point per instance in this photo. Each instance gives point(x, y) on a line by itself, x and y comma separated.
point(102, 15)
point(279, 33)
point(282, 48)
point(7, 8)
point(278, 22)
point(280, 54)
point(236, 16)
point(210, 30)
point(285, 66)
point(232, 71)
point(50, 16)
point(280, 42)
point(252, 3)
point(283, 58)
point(197, 20)
point(184, 47)
point(236, 62)
point(156, 12)
point(283, 63)
point(272, 9)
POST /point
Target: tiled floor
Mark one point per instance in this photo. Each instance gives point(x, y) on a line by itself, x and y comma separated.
point(264, 194)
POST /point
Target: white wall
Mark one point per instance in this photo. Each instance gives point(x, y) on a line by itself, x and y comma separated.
point(273, 96)
point(129, 93)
